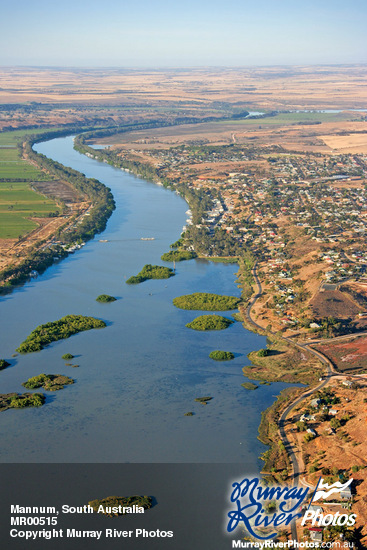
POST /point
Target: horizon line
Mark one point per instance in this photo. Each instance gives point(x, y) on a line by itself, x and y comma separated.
point(183, 67)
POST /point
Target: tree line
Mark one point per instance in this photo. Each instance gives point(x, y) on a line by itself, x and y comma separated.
point(100, 196)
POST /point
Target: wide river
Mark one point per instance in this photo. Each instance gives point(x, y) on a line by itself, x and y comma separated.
point(139, 376)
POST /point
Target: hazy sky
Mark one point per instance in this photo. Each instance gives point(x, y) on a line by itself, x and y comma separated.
point(158, 33)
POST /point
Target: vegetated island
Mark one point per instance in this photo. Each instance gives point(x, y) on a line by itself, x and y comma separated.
point(57, 330)
point(249, 386)
point(178, 256)
point(50, 382)
point(210, 322)
point(206, 301)
point(67, 356)
point(105, 298)
point(21, 401)
point(218, 355)
point(151, 272)
point(119, 506)
point(3, 364)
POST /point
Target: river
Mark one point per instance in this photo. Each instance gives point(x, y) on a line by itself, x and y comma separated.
point(139, 376)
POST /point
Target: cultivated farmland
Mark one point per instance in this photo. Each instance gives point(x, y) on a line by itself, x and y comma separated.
point(19, 202)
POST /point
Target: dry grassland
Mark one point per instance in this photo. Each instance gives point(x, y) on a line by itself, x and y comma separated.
point(325, 450)
point(268, 88)
point(266, 132)
point(352, 143)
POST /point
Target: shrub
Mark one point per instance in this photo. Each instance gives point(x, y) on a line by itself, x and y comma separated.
point(210, 322)
point(57, 330)
point(178, 256)
point(335, 423)
point(27, 400)
point(206, 302)
point(151, 272)
point(51, 382)
point(3, 364)
point(271, 507)
point(221, 355)
point(105, 298)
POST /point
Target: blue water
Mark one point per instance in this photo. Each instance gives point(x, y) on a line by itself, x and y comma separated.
point(140, 375)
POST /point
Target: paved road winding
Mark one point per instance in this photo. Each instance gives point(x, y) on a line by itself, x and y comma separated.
point(283, 418)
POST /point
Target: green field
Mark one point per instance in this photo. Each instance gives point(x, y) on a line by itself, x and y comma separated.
point(14, 225)
point(21, 169)
point(11, 139)
point(8, 154)
point(24, 199)
point(18, 201)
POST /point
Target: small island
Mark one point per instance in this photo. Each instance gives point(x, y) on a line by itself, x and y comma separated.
point(151, 272)
point(49, 382)
point(3, 364)
point(57, 330)
point(178, 256)
point(105, 299)
point(210, 322)
point(249, 386)
point(203, 400)
point(119, 506)
point(218, 355)
point(67, 356)
point(21, 401)
point(206, 301)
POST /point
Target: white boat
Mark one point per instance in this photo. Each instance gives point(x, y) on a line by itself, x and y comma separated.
point(147, 238)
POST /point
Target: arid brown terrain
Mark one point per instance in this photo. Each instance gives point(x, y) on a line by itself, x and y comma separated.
point(302, 87)
point(285, 187)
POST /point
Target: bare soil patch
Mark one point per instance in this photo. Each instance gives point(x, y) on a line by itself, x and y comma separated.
point(57, 190)
point(333, 303)
point(347, 356)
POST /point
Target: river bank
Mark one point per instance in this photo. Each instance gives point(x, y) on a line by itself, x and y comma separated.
point(137, 380)
point(276, 460)
point(90, 205)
